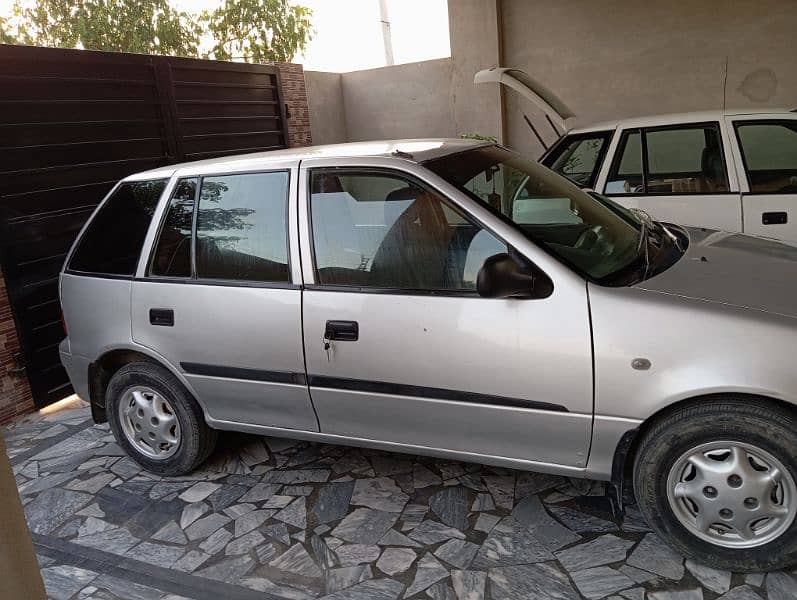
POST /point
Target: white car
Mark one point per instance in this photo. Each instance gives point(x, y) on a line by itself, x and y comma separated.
point(724, 169)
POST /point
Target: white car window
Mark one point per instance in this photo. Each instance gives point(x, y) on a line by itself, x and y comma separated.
point(769, 150)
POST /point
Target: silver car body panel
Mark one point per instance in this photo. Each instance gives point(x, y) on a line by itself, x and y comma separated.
point(434, 451)
point(246, 337)
point(526, 350)
point(730, 292)
point(728, 268)
point(466, 343)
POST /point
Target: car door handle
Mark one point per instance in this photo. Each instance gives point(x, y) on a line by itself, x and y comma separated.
point(342, 331)
point(161, 316)
point(775, 218)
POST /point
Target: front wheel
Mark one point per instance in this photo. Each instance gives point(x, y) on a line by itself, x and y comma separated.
point(718, 481)
point(156, 421)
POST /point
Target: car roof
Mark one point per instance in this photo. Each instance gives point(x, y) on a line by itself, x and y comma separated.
point(415, 150)
point(677, 118)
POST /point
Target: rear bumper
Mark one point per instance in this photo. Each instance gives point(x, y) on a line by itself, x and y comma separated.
point(77, 367)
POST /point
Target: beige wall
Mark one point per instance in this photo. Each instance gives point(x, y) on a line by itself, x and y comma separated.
point(325, 99)
point(623, 58)
point(402, 101)
point(607, 59)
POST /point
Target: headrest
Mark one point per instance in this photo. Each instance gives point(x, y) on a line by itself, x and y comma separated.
point(326, 183)
point(405, 193)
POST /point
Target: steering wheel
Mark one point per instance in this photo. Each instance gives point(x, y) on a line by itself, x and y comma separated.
point(595, 239)
point(588, 238)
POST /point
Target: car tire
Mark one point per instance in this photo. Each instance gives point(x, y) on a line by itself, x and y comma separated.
point(684, 460)
point(156, 421)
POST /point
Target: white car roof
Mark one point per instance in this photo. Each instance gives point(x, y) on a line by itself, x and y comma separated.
point(415, 150)
point(677, 118)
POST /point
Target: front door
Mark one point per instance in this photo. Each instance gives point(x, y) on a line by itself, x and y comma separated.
point(678, 174)
point(217, 299)
point(399, 346)
point(767, 154)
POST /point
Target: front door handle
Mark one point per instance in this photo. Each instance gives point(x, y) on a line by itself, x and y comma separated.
point(342, 331)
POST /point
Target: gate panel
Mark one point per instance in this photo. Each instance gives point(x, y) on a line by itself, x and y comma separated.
point(72, 123)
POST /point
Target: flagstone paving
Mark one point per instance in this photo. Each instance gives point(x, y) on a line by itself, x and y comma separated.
point(282, 519)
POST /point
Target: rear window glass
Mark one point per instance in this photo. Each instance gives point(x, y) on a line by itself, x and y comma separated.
point(241, 227)
point(173, 252)
point(112, 242)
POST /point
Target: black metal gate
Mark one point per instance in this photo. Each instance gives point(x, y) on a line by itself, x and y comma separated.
point(74, 122)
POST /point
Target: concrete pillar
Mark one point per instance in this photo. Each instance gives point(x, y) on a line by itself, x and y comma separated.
point(475, 30)
point(21, 576)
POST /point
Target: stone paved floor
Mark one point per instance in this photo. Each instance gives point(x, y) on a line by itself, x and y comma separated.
point(273, 518)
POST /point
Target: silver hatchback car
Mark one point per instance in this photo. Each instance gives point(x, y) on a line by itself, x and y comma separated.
point(449, 298)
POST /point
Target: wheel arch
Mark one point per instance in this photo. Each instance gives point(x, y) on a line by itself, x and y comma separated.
point(628, 446)
point(108, 363)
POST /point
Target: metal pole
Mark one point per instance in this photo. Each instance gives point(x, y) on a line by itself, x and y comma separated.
point(386, 37)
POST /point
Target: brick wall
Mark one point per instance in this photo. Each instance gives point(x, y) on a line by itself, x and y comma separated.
point(15, 397)
point(295, 96)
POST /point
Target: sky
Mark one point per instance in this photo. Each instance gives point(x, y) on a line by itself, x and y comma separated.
point(348, 33)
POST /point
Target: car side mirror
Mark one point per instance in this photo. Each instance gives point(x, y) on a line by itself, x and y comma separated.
point(510, 276)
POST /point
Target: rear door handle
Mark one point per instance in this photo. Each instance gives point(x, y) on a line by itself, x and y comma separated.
point(161, 316)
point(774, 218)
point(342, 331)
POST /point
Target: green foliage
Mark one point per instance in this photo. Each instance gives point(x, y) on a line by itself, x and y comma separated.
point(120, 25)
point(251, 30)
point(258, 30)
point(477, 136)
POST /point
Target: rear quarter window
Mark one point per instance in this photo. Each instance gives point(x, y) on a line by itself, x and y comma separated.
point(112, 243)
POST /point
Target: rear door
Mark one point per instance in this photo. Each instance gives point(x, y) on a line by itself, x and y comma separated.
point(219, 297)
point(677, 173)
point(767, 155)
point(399, 346)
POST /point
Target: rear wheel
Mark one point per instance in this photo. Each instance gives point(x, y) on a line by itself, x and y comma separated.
point(718, 481)
point(156, 420)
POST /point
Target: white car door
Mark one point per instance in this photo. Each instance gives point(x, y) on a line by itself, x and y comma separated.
point(679, 173)
point(765, 150)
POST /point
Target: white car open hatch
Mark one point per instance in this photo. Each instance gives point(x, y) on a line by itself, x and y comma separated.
point(528, 87)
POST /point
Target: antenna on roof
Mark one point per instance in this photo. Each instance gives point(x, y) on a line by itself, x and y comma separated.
point(401, 154)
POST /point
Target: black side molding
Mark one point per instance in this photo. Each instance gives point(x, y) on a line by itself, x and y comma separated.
point(400, 389)
point(244, 373)
point(364, 385)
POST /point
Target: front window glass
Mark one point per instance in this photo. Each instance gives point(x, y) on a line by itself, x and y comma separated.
point(770, 156)
point(113, 240)
point(381, 230)
point(576, 227)
point(579, 157)
point(241, 227)
point(626, 176)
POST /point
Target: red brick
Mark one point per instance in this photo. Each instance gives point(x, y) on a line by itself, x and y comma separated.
point(15, 396)
point(295, 97)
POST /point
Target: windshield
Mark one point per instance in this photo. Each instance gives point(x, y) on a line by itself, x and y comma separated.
point(590, 235)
